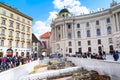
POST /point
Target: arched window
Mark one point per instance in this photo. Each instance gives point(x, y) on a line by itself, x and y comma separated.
point(109, 30)
point(98, 32)
point(78, 34)
point(88, 33)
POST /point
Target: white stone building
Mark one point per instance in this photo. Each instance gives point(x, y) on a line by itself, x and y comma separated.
point(86, 33)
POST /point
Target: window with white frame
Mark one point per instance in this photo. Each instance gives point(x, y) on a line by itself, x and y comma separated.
point(1, 42)
point(10, 33)
point(23, 35)
point(78, 34)
point(23, 27)
point(11, 15)
point(17, 25)
point(10, 43)
point(109, 30)
point(17, 44)
point(3, 31)
point(4, 12)
point(98, 32)
point(18, 18)
point(17, 34)
point(110, 40)
point(88, 33)
point(11, 23)
point(3, 21)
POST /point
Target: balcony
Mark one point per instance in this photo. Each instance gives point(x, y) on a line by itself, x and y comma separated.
point(2, 36)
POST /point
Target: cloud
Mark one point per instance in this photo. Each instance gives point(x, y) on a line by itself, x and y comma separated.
point(41, 27)
point(74, 6)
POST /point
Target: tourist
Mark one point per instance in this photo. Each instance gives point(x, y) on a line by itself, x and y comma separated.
point(116, 55)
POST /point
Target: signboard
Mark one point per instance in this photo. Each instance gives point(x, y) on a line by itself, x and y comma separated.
point(9, 51)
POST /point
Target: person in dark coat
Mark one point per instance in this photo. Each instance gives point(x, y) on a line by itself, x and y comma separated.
point(116, 55)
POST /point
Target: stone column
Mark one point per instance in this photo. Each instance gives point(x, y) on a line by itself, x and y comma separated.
point(117, 23)
point(114, 24)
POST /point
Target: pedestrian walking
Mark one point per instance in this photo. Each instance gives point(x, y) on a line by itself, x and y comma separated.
point(116, 55)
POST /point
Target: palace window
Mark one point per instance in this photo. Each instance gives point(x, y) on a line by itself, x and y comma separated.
point(89, 42)
point(88, 33)
point(69, 26)
point(22, 45)
point(108, 20)
point(78, 25)
point(109, 30)
point(17, 34)
point(97, 22)
point(110, 40)
point(79, 43)
point(70, 43)
point(70, 50)
point(98, 32)
point(99, 41)
point(87, 24)
point(78, 34)
point(18, 18)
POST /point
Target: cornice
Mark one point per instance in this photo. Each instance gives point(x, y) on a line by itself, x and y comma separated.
point(14, 10)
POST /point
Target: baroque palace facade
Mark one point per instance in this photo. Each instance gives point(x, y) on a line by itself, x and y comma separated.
point(15, 31)
point(94, 32)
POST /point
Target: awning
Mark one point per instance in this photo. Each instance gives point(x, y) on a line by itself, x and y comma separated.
point(9, 51)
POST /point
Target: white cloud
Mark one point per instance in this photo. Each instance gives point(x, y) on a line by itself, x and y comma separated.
point(41, 27)
point(73, 6)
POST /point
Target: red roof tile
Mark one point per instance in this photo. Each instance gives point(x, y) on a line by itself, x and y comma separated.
point(45, 35)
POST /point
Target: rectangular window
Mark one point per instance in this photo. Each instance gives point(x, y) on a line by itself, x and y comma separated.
point(11, 23)
point(28, 29)
point(18, 18)
point(70, 43)
point(97, 22)
point(11, 15)
point(87, 24)
point(79, 43)
point(108, 20)
point(17, 44)
point(99, 41)
point(3, 31)
point(70, 50)
point(10, 43)
point(17, 34)
point(3, 21)
point(1, 42)
point(89, 42)
point(110, 40)
point(69, 26)
point(11, 33)
point(78, 25)
point(23, 27)
point(4, 12)
point(17, 25)
point(23, 20)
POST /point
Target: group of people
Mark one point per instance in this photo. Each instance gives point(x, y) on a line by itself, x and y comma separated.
point(14, 61)
point(100, 55)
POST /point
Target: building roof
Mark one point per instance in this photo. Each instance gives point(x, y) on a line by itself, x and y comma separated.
point(34, 39)
point(14, 10)
point(64, 10)
point(45, 35)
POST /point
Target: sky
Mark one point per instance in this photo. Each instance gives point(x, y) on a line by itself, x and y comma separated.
point(44, 11)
